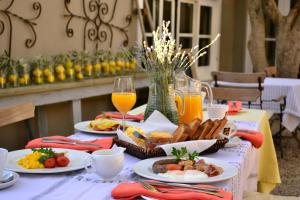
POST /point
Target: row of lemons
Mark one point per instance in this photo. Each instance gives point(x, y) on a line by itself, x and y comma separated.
point(75, 66)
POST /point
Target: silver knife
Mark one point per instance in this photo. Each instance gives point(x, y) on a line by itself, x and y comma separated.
point(47, 140)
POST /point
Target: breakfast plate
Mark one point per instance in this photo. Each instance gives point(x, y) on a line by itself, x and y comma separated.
point(85, 127)
point(78, 160)
point(144, 169)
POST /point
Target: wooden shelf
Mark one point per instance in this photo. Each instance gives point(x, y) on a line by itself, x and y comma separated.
point(9, 92)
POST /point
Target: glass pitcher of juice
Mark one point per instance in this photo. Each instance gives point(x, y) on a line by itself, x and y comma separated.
point(190, 106)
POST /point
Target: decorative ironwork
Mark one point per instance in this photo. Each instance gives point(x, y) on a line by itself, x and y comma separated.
point(9, 15)
point(97, 32)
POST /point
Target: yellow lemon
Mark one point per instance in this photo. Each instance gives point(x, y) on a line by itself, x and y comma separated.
point(77, 68)
point(79, 76)
point(120, 63)
point(61, 76)
point(22, 81)
point(59, 69)
point(38, 80)
point(112, 63)
point(37, 72)
point(50, 79)
point(97, 67)
point(69, 64)
point(132, 65)
point(70, 72)
point(12, 78)
point(47, 72)
point(2, 81)
point(26, 76)
point(127, 64)
point(105, 64)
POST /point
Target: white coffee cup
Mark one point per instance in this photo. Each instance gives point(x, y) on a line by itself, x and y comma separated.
point(217, 111)
point(3, 157)
point(108, 163)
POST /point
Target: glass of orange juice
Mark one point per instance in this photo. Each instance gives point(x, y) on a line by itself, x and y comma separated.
point(192, 105)
point(123, 95)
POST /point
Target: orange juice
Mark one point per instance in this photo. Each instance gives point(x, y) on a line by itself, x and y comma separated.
point(192, 108)
point(123, 101)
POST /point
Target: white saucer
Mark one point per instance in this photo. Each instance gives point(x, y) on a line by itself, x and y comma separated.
point(11, 182)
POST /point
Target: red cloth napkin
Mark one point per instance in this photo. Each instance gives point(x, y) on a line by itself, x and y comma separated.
point(255, 137)
point(234, 107)
point(117, 115)
point(127, 191)
point(105, 143)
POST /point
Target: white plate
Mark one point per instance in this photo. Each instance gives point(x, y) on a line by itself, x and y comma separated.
point(85, 127)
point(9, 183)
point(78, 160)
point(144, 169)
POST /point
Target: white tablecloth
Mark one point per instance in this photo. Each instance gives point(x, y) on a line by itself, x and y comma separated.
point(276, 87)
point(80, 185)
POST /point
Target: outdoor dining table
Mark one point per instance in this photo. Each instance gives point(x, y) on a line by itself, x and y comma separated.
point(254, 166)
point(290, 88)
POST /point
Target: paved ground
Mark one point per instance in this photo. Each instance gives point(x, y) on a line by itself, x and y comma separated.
point(289, 167)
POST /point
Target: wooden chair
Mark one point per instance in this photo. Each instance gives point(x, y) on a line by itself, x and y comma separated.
point(271, 71)
point(17, 113)
point(238, 86)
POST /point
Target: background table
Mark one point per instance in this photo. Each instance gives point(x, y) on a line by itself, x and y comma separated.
point(290, 88)
point(79, 185)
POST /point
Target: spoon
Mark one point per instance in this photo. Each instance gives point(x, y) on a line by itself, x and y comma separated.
point(140, 136)
point(7, 178)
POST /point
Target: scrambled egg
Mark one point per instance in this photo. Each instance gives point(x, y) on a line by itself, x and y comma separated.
point(31, 161)
point(103, 124)
point(129, 131)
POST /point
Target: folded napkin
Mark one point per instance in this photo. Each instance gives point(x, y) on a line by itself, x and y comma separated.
point(118, 115)
point(127, 191)
point(234, 107)
point(255, 137)
point(105, 143)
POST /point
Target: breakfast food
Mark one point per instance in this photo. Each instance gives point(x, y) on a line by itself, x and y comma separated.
point(129, 132)
point(180, 167)
point(43, 158)
point(104, 124)
point(199, 131)
point(160, 137)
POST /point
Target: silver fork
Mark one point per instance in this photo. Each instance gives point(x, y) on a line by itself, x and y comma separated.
point(153, 189)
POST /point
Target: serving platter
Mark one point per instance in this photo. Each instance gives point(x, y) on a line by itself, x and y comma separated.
point(144, 169)
point(78, 160)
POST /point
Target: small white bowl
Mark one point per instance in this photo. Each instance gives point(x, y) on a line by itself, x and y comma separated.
point(217, 111)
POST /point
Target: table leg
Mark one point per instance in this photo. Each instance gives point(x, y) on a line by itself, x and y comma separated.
point(42, 121)
point(76, 108)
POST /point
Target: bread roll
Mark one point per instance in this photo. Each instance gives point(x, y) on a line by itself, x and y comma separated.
point(181, 134)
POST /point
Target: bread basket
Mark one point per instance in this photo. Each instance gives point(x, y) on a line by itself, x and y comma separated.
point(142, 153)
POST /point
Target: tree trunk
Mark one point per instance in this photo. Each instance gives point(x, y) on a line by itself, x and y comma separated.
point(256, 43)
point(288, 48)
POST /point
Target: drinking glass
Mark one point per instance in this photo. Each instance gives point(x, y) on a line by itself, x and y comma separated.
point(123, 95)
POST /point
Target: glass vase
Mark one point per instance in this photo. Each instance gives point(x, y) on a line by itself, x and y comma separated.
point(162, 98)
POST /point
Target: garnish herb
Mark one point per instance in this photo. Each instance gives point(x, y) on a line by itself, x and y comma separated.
point(193, 155)
point(47, 153)
point(180, 153)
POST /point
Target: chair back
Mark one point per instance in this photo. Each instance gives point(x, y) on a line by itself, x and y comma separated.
point(271, 71)
point(16, 113)
point(236, 86)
